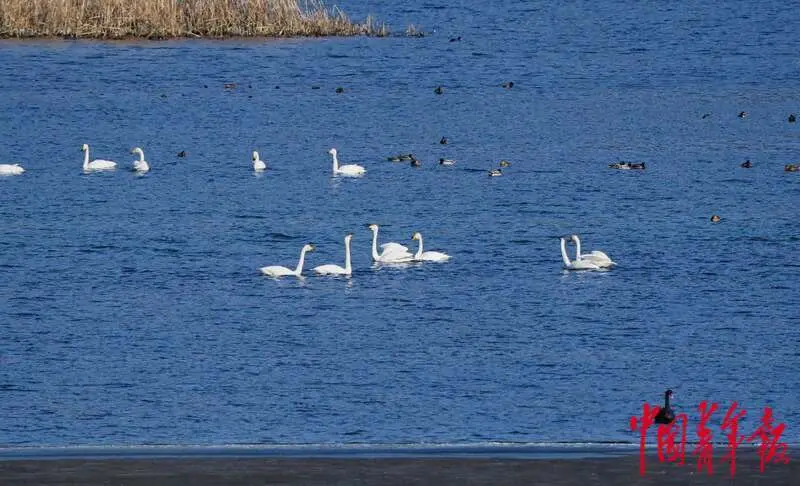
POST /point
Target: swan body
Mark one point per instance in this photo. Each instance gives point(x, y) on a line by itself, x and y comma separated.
point(95, 165)
point(277, 271)
point(11, 169)
point(665, 415)
point(258, 164)
point(391, 252)
point(428, 256)
point(597, 257)
point(577, 264)
point(352, 170)
point(336, 269)
point(140, 165)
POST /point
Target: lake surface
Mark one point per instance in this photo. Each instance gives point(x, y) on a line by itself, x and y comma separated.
point(132, 310)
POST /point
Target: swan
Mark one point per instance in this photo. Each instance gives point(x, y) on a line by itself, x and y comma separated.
point(428, 256)
point(577, 264)
point(345, 170)
point(665, 415)
point(258, 164)
point(391, 252)
point(140, 165)
point(278, 271)
point(98, 164)
point(336, 269)
point(597, 257)
point(11, 169)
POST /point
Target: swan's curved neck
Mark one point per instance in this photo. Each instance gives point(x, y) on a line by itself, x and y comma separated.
point(375, 244)
point(335, 162)
point(577, 248)
point(86, 158)
point(419, 248)
point(564, 252)
point(347, 267)
point(666, 401)
point(299, 269)
point(141, 155)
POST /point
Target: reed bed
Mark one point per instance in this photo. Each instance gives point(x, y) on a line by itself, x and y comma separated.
point(163, 19)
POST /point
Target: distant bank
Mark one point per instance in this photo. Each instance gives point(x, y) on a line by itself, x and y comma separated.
point(167, 19)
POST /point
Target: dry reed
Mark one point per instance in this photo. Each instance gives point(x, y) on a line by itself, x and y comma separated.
point(162, 19)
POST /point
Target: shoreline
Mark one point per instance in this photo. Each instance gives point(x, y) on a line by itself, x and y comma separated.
point(421, 470)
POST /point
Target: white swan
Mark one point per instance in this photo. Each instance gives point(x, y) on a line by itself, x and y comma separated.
point(140, 165)
point(345, 170)
point(577, 264)
point(597, 257)
point(391, 252)
point(336, 269)
point(278, 271)
point(258, 164)
point(11, 169)
point(98, 164)
point(428, 256)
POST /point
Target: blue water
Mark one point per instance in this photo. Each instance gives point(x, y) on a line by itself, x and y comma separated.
point(132, 311)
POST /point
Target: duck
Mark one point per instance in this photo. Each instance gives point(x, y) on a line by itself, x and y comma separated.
point(637, 166)
point(495, 173)
point(400, 157)
point(455, 39)
point(505, 163)
point(439, 90)
point(141, 166)
point(746, 164)
point(181, 154)
point(447, 162)
point(277, 271)
point(508, 84)
point(742, 114)
point(11, 169)
point(97, 164)
point(258, 164)
point(791, 168)
point(339, 90)
point(665, 415)
point(415, 162)
point(620, 165)
point(792, 118)
point(706, 115)
point(443, 141)
point(715, 218)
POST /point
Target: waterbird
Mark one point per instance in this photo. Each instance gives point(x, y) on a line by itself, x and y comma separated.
point(141, 166)
point(447, 162)
point(277, 271)
point(258, 164)
point(791, 168)
point(443, 141)
point(508, 84)
point(415, 162)
point(746, 164)
point(742, 114)
point(792, 118)
point(439, 90)
point(97, 164)
point(577, 264)
point(596, 257)
point(11, 169)
point(181, 154)
point(351, 170)
point(665, 415)
point(715, 218)
point(505, 163)
point(331, 269)
point(427, 256)
point(390, 252)
point(495, 172)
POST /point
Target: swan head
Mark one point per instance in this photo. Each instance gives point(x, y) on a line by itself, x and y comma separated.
point(416, 236)
point(575, 238)
point(332, 151)
point(85, 147)
point(308, 247)
point(255, 155)
point(373, 227)
point(348, 237)
point(136, 150)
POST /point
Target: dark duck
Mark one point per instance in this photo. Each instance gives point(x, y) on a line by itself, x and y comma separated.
point(666, 415)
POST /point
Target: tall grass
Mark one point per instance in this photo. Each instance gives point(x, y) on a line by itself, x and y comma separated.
point(161, 19)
